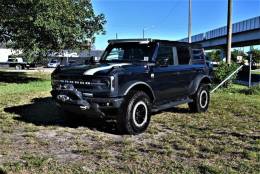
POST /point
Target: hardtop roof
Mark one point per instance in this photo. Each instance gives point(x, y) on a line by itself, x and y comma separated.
point(149, 40)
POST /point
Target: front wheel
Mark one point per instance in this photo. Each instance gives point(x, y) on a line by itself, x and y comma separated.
point(135, 116)
point(200, 99)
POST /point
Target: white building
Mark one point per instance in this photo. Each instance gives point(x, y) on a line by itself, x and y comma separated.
point(5, 52)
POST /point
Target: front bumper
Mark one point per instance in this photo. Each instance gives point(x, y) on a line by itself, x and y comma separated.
point(73, 101)
point(52, 65)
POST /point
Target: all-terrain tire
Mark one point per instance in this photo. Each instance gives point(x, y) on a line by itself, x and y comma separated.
point(135, 115)
point(201, 99)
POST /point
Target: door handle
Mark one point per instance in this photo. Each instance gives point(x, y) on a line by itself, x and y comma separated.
point(194, 70)
point(176, 73)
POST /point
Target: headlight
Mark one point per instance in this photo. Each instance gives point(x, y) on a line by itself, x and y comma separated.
point(100, 82)
point(104, 83)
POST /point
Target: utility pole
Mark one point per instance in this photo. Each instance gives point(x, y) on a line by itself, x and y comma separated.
point(229, 32)
point(116, 36)
point(189, 22)
point(147, 28)
point(250, 68)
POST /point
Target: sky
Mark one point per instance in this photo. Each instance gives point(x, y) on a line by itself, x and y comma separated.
point(167, 19)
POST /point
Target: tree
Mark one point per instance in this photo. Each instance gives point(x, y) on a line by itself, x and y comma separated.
point(215, 55)
point(38, 26)
point(236, 53)
point(256, 55)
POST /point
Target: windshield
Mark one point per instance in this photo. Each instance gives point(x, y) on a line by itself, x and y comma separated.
point(128, 52)
point(11, 60)
point(54, 61)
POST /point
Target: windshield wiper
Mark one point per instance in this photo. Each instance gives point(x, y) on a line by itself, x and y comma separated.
point(115, 61)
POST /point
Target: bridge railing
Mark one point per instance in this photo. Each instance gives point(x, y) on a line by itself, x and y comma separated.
point(246, 25)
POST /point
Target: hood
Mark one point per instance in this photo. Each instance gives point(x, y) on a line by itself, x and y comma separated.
point(89, 70)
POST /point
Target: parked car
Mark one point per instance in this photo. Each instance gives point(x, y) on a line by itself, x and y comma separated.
point(53, 63)
point(17, 63)
point(132, 80)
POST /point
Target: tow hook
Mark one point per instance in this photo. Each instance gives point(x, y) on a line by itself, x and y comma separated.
point(84, 107)
point(63, 98)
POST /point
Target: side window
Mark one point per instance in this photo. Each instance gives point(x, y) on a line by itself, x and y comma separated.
point(183, 55)
point(163, 53)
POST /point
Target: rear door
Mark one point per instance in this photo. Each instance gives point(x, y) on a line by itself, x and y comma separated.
point(187, 71)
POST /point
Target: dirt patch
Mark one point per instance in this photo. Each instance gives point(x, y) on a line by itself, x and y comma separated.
point(36, 139)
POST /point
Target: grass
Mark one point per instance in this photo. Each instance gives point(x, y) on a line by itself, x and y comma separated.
point(255, 72)
point(35, 139)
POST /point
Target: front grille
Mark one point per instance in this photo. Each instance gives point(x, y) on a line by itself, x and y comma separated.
point(79, 87)
point(84, 84)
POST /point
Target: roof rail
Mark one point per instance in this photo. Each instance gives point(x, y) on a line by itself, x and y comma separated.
point(147, 40)
point(130, 40)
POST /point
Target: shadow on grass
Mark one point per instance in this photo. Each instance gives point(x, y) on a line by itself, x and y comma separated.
point(175, 110)
point(179, 110)
point(254, 90)
point(16, 77)
point(44, 112)
point(251, 91)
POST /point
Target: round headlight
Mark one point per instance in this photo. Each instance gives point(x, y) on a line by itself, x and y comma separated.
point(107, 83)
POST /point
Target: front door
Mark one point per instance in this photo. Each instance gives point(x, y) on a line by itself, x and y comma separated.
point(166, 75)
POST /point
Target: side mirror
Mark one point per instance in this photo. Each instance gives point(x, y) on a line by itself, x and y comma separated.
point(163, 61)
point(92, 60)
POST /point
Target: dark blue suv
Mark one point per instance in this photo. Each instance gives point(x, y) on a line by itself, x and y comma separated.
point(133, 79)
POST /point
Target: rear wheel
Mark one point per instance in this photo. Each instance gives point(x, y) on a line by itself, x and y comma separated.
point(200, 99)
point(135, 116)
point(18, 67)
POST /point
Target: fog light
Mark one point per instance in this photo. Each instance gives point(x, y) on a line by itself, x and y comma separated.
point(84, 107)
point(109, 104)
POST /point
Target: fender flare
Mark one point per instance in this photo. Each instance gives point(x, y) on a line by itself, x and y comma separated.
point(197, 82)
point(130, 85)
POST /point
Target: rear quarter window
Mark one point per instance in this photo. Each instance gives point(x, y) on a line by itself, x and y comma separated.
point(183, 55)
point(198, 56)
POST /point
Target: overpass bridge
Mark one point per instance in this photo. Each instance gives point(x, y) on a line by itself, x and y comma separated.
point(245, 33)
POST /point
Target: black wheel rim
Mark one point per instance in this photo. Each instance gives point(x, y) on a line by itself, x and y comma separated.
point(140, 114)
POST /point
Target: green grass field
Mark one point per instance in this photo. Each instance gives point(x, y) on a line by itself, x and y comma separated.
point(256, 72)
point(35, 139)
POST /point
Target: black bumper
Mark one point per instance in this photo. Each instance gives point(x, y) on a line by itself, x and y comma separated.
point(73, 101)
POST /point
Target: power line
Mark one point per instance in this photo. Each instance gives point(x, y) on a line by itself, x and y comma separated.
point(164, 19)
point(176, 4)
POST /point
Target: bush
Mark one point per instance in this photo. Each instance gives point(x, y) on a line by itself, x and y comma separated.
point(256, 55)
point(223, 71)
point(215, 55)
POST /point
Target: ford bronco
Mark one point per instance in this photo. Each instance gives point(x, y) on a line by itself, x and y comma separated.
point(133, 79)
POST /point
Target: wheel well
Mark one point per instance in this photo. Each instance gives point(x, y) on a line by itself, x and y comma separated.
point(205, 80)
point(144, 88)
